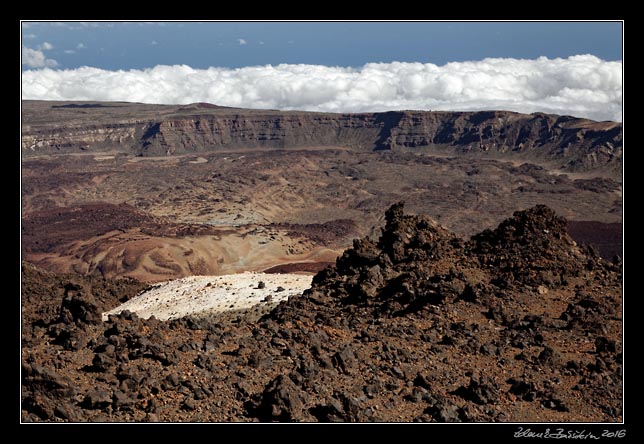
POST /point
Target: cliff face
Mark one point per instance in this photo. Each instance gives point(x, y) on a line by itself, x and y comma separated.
point(276, 130)
point(582, 144)
point(93, 136)
point(153, 130)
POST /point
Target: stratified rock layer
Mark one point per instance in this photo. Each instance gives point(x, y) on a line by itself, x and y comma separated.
point(159, 130)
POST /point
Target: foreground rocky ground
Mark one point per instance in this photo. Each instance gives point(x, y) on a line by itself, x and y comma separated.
point(516, 324)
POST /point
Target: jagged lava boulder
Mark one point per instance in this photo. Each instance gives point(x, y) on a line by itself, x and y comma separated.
point(532, 247)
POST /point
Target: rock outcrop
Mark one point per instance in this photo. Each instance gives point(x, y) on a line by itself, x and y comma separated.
point(515, 324)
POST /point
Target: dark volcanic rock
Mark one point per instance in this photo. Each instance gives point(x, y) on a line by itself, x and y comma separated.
point(281, 401)
point(480, 391)
point(442, 410)
point(419, 325)
point(97, 399)
point(531, 248)
point(388, 274)
point(78, 306)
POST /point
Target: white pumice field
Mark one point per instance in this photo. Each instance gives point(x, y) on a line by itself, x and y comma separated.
point(197, 294)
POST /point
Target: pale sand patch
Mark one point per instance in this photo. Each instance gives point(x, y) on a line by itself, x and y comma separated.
point(198, 160)
point(197, 294)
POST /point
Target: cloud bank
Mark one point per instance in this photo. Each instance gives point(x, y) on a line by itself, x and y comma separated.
point(33, 58)
point(582, 86)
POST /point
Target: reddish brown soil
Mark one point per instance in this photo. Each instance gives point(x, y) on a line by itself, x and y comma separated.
point(309, 267)
point(606, 238)
point(45, 230)
point(327, 234)
point(516, 325)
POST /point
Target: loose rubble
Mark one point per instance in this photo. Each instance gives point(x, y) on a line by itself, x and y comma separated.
point(516, 324)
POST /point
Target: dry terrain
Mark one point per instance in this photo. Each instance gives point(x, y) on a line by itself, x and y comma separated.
point(156, 219)
point(166, 191)
point(488, 307)
point(518, 324)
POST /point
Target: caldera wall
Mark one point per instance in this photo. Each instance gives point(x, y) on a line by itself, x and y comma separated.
point(159, 130)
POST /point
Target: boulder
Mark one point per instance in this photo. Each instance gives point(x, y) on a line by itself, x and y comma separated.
point(282, 401)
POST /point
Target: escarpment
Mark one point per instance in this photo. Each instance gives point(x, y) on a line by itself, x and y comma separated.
point(160, 130)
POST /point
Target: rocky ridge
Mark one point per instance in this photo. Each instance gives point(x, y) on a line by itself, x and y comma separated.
point(160, 130)
point(516, 324)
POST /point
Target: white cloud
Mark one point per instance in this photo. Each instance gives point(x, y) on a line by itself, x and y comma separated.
point(46, 46)
point(242, 42)
point(91, 24)
point(32, 58)
point(81, 45)
point(261, 42)
point(582, 86)
point(70, 51)
point(154, 42)
point(29, 36)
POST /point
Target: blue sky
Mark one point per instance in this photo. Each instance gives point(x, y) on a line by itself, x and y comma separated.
point(135, 45)
point(570, 68)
